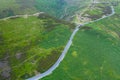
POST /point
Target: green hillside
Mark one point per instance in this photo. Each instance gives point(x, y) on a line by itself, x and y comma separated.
point(94, 54)
point(27, 45)
point(56, 8)
point(53, 7)
point(30, 45)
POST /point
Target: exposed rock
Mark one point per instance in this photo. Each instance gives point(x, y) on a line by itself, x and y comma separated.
point(36, 72)
point(18, 55)
point(5, 69)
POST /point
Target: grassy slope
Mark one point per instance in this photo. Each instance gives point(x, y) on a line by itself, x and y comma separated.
point(13, 7)
point(98, 11)
point(35, 41)
point(94, 54)
point(6, 3)
point(75, 6)
point(93, 12)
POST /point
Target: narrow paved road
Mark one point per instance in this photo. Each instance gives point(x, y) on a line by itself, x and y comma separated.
point(49, 71)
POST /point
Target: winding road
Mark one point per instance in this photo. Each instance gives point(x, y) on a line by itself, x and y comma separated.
point(26, 15)
point(49, 71)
